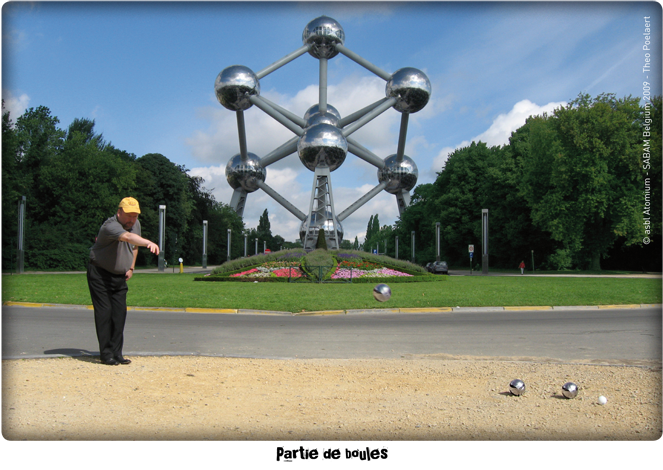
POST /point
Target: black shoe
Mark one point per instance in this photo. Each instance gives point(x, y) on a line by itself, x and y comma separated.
point(110, 362)
point(122, 360)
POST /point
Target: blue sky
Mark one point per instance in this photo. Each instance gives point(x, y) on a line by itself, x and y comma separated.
point(145, 73)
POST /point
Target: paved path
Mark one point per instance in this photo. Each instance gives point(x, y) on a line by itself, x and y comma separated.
point(617, 335)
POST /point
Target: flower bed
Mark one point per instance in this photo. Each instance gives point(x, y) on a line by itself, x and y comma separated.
point(319, 266)
point(273, 269)
point(345, 273)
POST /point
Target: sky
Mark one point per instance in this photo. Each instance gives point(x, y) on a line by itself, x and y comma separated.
point(145, 73)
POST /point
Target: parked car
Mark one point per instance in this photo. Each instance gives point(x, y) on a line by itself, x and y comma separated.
point(439, 267)
point(429, 267)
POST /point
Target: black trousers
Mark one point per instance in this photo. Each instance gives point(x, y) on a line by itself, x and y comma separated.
point(109, 298)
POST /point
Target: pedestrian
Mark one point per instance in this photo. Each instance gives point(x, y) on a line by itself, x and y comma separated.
point(522, 267)
point(111, 265)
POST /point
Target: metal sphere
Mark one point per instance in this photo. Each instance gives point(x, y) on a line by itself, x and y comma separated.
point(517, 387)
point(322, 145)
point(322, 118)
point(398, 175)
point(569, 390)
point(323, 34)
point(245, 173)
point(381, 292)
point(412, 88)
point(318, 222)
point(315, 109)
point(234, 85)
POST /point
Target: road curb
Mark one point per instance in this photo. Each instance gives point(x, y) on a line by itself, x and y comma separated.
point(620, 306)
point(360, 311)
point(541, 307)
point(201, 310)
point(210, 310)
point(478, 309)
point(579, 307)
point(319, 312)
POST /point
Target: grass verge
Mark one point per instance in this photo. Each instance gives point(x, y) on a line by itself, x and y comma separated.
point(180, 290)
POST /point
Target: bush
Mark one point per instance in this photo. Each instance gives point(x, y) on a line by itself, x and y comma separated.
point(560, 260)
point(68, 257)
point(312, 263)
point(321, 244)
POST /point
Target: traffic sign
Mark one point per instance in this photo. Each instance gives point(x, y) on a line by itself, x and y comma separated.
point(471, 254)
point(471, 248)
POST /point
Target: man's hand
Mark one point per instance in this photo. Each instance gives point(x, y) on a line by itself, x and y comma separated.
point(128, 274)
point(153, 247)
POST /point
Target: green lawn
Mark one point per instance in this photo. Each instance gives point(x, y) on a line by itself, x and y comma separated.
point(180, 290)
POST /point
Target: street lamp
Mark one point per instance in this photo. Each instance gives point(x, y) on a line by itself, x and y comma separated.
point(204, 244)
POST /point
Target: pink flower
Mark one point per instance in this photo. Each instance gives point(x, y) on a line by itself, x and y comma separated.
point(254, 270)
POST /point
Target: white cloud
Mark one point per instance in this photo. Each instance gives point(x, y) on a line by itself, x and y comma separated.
point(16, 105)
point(499, 131)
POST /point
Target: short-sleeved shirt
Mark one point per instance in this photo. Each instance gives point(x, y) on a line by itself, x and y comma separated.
point(108, 252)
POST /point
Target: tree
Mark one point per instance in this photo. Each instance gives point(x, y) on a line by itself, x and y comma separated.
point(12, 184)
point(264, 231)
point(583, 178)
point(322, 242)
point(161, 182)
point(85, 127)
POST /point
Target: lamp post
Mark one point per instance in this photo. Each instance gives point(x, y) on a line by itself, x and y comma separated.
point(437, 239)
point(204, 244)
point(413, 246)
point(21, 236)
point(162, 236)
point(484, 243)
point(229, 237)
point(396, 246)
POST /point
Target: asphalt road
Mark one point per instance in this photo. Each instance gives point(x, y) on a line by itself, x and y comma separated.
point(623, 336)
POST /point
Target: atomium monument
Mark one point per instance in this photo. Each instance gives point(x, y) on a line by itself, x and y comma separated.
point(322, 137)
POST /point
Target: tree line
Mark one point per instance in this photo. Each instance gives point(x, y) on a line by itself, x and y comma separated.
point(73, 180)
point(573, 187)
point(570, 186)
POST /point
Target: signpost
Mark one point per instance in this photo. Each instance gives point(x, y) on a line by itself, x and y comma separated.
point(470, 248)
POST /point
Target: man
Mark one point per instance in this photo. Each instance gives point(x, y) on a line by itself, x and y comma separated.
point(111, 265)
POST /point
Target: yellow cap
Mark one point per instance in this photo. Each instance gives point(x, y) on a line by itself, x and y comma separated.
point(130, 205)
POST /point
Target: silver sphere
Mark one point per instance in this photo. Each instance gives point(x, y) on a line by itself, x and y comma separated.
point(234, 85)
point(318, 222)
point(381, 292)
point(322, 118)
point(322, 145)
point(398, 175)
point(245, 173)
point(412, 88)
point(315, 109)
point(517, 387)
point(569, 390)
point(323, 34)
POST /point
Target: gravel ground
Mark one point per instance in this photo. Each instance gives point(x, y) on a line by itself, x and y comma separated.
point(411, 399)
